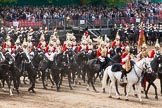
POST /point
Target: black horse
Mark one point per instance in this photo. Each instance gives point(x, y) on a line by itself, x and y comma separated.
point(38, 57)
point(94, 67)
point(5, 73)
point(82, 58)
point(44, 68)
point(24, 63)
point(151, 77)
point(14, 71)
point(71, 66)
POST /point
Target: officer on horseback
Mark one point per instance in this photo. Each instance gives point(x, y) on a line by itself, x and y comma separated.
point(156, 51)
point(102, 52)
point(125, 62)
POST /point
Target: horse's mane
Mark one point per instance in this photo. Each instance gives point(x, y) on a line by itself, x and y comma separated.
point(154, 64)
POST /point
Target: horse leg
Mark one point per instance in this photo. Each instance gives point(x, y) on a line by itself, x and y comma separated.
point(49, 76)
point(24, 80)
point(134, 91)
point(69, 80)
point(32, 78)
point(9, 86)
point(116, 86)
point(146, 92)
point(156, 95)
point(104, 81)
point(56, 79)
point(139, 91)
point(3, 83)
point(129, 89)
point(43, 79)
point(96, 77)
point(88, 82)
point(73, 76)
point(16, 85)
point(161, 84)
point(110, 89)
point(61, 80)
point(92, 84)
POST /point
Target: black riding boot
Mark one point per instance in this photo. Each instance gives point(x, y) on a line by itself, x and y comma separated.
point(123, 74)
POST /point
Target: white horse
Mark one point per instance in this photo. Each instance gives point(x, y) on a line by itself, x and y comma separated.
point(133, 77)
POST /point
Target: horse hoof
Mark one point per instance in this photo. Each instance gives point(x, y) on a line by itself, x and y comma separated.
point(45, 88)
point(29, 89)
point(147, 97)
point(135, 95)
point(126, 100)
point(110, 96)
point(156, 97)
point(104, 90)
point(119, 98)
point(11, 94)
point(87, 89)
point(96, 91)
point(33, 91)
point(79, 83)
point(52, 86)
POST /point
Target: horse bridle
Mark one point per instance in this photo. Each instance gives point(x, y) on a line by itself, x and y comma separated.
point(141, 70)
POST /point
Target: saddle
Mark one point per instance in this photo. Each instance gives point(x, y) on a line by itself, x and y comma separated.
point(116, 67)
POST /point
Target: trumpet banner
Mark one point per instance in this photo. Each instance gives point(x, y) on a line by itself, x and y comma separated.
point(141, 38)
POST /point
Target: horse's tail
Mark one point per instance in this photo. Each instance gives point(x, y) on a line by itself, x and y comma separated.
point(105, 79)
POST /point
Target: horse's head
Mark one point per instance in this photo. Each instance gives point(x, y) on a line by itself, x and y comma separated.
point(119, 50)
point(147, 64)
point(10, 59)
point(159, 60)
point(24, 57)
point(82, 55)
point(133, 50)
point(70, 55)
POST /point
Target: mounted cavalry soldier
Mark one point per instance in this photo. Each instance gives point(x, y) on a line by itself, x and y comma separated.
point(143, 50)
point(17, 43)
point(90, 46)
point(7, 46)
point(42, 43)
point(2, 58)
point(83, 46)
point(49, 53)
point(29, 41)
point(126, 62)
point(156, 51)
point(102, 52)
point(116, 42)
point(68, 46)
point(108, 46)
point(74, 43)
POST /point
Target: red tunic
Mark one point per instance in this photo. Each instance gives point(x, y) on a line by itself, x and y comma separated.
point(80, 48)
point(122, 57)
point(113, 44)
point(152, 54)
point(47, 49)
point(40, 44)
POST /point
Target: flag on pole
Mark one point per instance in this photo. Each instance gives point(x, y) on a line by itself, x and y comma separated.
point(141, 38)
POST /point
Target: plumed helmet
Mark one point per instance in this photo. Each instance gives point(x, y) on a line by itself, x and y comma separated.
point(144, 45)
point(127, 48)
point(17, 40)
point(157, 45)
point(117, 36)
point(42, 37)
point(8, 37)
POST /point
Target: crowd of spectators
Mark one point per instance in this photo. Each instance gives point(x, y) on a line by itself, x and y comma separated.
point(148, 11)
